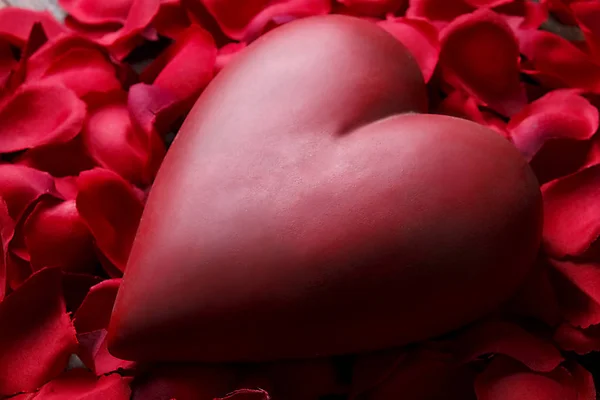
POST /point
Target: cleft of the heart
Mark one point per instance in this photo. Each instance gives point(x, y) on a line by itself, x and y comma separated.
point(309, 207)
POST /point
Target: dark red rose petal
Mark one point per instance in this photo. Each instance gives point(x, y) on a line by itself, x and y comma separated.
point(94, 353)
point(506, 379)
point(480, 55)
point(76, 288)
point(572, 212)
point(438, 10)
point(17, 270)
point(7, 228)
point(40, 114)
point(75, 62)
point(561, 114)
point(247, 394)
point(16, 23)
point(425, 374)
point(56, 236)
point(579, 292)
point(110, 137)
point(186, 67)
point(20, 186)
point(581, 341)
point(59, 160)
point(97, 13)
point(506, 338)
point(94, 312)
point(246, 19)
point(7, 62)
point(374, 7)
point(185, 382)
point(112, 210)
point(461, 105)
point(37, 336)
point(487, 3)
point(79, 384)
point(558, 63)
point(419, 37)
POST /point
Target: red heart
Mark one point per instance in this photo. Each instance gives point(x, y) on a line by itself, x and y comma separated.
point(307, 209)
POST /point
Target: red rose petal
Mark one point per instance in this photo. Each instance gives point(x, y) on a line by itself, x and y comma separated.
point(20, 186)
point(558, 63)
point(247, 394)
point(419, 37)
point(561, 114)
point(79, 384)
point(94, 312)
point(59, 160)
point(582, 308)
point(16, 23)
point(98, 13)
point(374, 7)
point(40, 114)
point(480, 55)
point(186, 67)
point(246, 19)
point(438, 10)
point(581, 341)
point(505, 379)
point(7, 227)
point(94, 353)
point(37, 336)
point(75, 62)
point(487, 3)
point(171, 20)
point(113, 142)
point(7, 62)
point(57, 237)
point(572, 213)
point(112, 211)
point(185, 382)
point(17, 270)
point(151, 107)
point(500, 337)
point(587, 14)
point(461, 105)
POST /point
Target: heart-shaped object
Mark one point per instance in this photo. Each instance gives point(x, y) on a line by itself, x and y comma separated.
point(306, 208)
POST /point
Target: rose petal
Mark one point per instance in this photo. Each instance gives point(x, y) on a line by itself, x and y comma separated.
point(40, 114)
point(79, 384)
point(37, 336)
point(572, 213)
point(7, 62)
point(152, 108)
point(461, 105)
point(186, 67)
point(17, 270)
point(374, 7)
point(21, 186)
point(501, 337)
point(558, 63)
point(7, 228)
point(226, 54)
point(59, 160)
point(505, 379)
point(75, 62)
point(16, 23)
point(246, 19)
point(98, 13)
point(587, 14)
point(561, 114)
point(171, 20)
point(112, 140)
point(581, 341)
point(480, 55)
point(419, 37)
point(438, 10)
point(112, 211)
point(247, 394)
point(185, 382)
point(94, 354)
point(579, 292)
point(94, 312)
point(57, 237)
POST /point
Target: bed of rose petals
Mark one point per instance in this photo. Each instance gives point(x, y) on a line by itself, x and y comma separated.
point(84, 126)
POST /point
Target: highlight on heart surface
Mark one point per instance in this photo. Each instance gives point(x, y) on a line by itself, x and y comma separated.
point(299, 200)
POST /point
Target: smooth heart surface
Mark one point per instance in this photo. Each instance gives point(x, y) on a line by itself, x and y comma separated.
point(308, 208)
